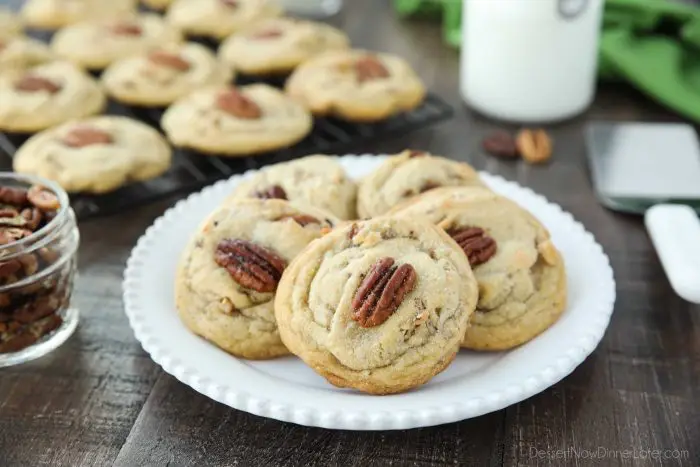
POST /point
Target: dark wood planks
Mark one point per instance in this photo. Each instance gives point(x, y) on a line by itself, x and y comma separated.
point(100, 400)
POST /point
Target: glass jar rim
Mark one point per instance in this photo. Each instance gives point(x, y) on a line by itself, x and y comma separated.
point(62, 212)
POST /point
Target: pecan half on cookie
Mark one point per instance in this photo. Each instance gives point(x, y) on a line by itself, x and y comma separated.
point(478, 246)
point(235, 103)
point(250, 265)
point(382, 291)
point(370, 68)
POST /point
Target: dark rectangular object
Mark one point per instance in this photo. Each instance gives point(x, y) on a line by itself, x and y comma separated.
point(191, 171)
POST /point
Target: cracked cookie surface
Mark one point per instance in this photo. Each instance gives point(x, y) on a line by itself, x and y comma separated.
point(228, 273)
point(97, 43)
point(161, 76)
point(356, 85)
point(317, 180)
point(279, 45)
point(46, 95)
point(379, 305)
point(521, 276)
point(95, 155)
point(238, 121)
point(219, 18)
point(53, 14)
point(407, 175)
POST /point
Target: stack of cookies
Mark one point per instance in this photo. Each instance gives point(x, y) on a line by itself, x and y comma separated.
point(437, 262)
point(143, 59)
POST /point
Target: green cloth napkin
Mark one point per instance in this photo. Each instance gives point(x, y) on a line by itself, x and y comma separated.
point(652, 44)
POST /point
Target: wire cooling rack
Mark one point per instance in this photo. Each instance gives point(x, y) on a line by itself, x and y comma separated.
point(191, 171)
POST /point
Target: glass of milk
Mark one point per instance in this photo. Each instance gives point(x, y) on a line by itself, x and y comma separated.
point(530, 60)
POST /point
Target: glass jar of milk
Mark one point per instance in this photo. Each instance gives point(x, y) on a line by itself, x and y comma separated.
point(530, 60)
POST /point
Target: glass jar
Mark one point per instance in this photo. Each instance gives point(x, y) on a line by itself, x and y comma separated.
point(38, 245)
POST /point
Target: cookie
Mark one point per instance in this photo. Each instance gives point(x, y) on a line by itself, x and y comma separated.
point(53, 14)
point(279, 45)
point(218, 19)
point(316, 180)
point(10, 25)
point(94, 44)
point(95, 155)
point(356, 85)
point(157, 4)
point(228, 273)
point(406, 175)
point(379, 305)
point(23, 52)
point(521, 275)
point(46, 95)
point(232, 121)
point(161, 76)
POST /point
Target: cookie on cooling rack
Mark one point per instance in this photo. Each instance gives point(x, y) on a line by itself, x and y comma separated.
point(406, 175)
point(10, 25)
point(356, 85)
point(23, 52)
point(379, 305)
point(94, 44)
point(46, 95)
point(95, 155)
point(521, 275)
point(53, 14)
point(236, 121)
point(317, 180)
point(279, 45)
point(228, 274)
point(218, 19)
point(161, 76)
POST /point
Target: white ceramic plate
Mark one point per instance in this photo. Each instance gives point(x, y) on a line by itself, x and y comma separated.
point(285, 389)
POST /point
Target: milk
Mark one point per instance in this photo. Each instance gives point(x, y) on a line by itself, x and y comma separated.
point(529, 60)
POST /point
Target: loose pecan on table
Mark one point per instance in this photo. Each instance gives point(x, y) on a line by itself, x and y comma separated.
point(534, 146)
point(249, 264)
point(272, 192)
point(501, 144)
point(34, 83)
point(235, 103)
point(478, 246)
point(369, 68)
point(382, 291)
point(84, 135)
point(169, 60)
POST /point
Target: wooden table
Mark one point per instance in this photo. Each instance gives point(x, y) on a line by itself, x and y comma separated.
point(100, 400)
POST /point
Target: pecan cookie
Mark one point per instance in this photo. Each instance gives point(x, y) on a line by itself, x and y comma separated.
point(279, 45)
point(161, 76)
point(23, 52)
point(219, 18)
point(46, 95)
point(95, 155)
point(521, 275)
point(231, 121)
point(228, 274)
point(53, 14)
point(379, 305)
point(356, 85)
point(10, 25)
point(406, 175)
point(317, 180)
point(96, 43)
